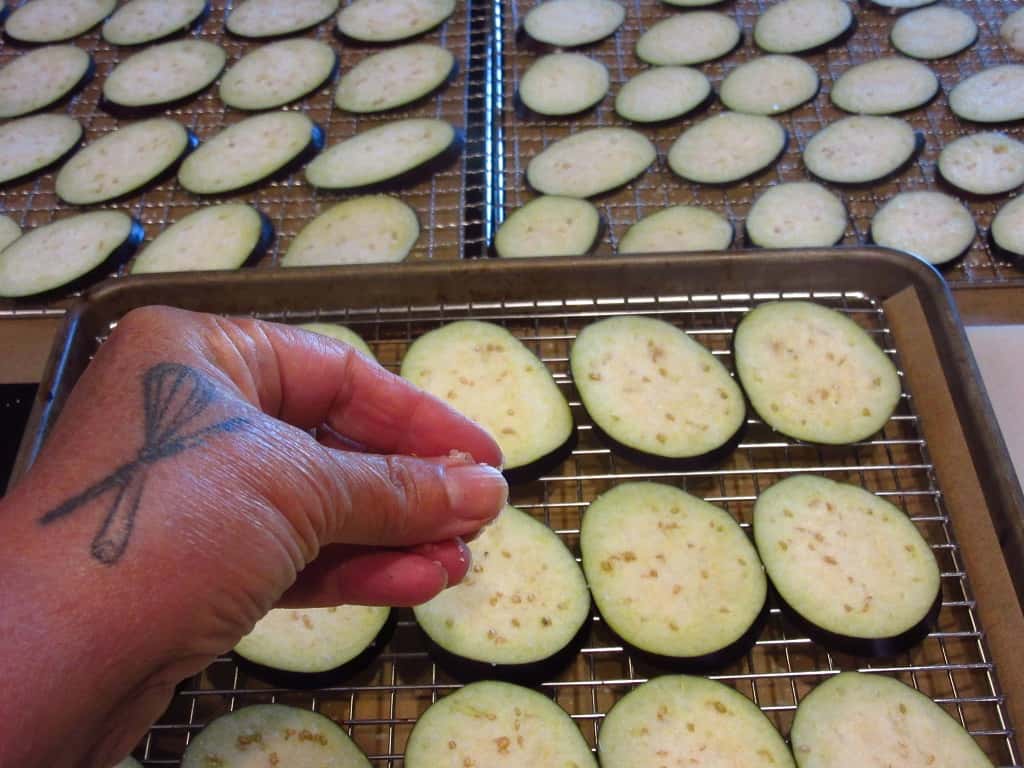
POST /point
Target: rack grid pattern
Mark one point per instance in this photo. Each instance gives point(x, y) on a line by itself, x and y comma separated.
point(525, 136)
point(379, 702)
point(461, 206)
point(451, 218)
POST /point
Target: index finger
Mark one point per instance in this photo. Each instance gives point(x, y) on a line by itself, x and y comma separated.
point(324, 381)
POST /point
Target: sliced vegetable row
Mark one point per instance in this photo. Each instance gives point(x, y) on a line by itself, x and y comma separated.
point(850, 719)
point(270, 76)
point(362, 230)
point(142, 21)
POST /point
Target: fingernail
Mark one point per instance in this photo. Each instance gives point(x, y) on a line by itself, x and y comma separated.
point(444, 573)
point(465, 554)
point(476, 491)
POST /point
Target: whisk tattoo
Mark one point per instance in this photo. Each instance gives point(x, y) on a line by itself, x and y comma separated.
point(174, 396)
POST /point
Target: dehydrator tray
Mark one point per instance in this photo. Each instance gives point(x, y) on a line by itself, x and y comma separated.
point(447, 204)
point(939, 458)
point(461, 206)
point(524, 136)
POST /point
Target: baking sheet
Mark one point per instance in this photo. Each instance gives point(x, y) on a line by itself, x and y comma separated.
point(545, 304)
point(524, 137)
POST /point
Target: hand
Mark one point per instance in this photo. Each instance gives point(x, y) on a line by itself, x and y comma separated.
point(202, 471)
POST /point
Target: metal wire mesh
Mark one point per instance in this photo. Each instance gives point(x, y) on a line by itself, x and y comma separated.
point(380, 702)
point(523, 138)
point(448, 205)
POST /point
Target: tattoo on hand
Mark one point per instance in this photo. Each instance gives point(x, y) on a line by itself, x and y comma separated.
point(174, 396)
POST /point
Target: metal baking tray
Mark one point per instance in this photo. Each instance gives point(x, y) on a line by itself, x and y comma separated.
point(449, 205)
point(520, 137)
point(545, 303)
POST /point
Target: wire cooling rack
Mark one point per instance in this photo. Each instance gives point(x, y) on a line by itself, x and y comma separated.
point(379, 703)
point(524, 137)
point(461, 206)
point(448, 205)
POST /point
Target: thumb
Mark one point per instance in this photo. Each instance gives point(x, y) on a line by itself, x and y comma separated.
point(401, 501)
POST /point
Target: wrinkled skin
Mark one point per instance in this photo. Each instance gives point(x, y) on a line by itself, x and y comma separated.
point(314, 496)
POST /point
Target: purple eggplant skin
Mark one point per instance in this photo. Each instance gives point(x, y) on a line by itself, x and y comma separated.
point(860, 646)
point(417, 174)
point(533, 673)
point(119, 255)
point(306, 681)
point(316, 143)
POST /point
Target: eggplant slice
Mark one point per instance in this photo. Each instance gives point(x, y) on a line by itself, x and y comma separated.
point(272, 18)
point(1012, 30)
point(983, 163)
point(524, 599)
point(123, 161)
point(726, 148)
point(41, 77)
point(277, 74)
point(296, 737)
point(689, 38)
point(248, 152)
point(143, 21)
point(933, 33)
point(671, 574)
point(884, 86)
point(679, 228)
point(56, 254)
point(340, 333)
point(1008, 227)
point(9, 231)
point(812, 373)
point(31, 144)
point(930, 225)
point(799, 214)
point(993, 95)
point(662, 93)
point(164, 73)
point(769, 85)
point(590, 162)
point(563, 84)
point(549, 226)
point(856, 719)
point(364, 230)
point(487, 374)
point(217, 237)
point(572, 23)
point(312, 640)
point(794, 26)
point(490, 723)
point(394, 78)
point(51, 21)
point(652, 388)
point(860, 149)
point(381, 153)
point(846, 561)
point(682, 720)
point(388, 21)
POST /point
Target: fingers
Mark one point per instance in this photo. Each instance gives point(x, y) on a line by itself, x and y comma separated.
point(325, 381)
point(399, 501)
point(358, 576)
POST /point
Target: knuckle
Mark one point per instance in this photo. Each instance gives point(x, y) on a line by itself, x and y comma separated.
point(405, 496)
